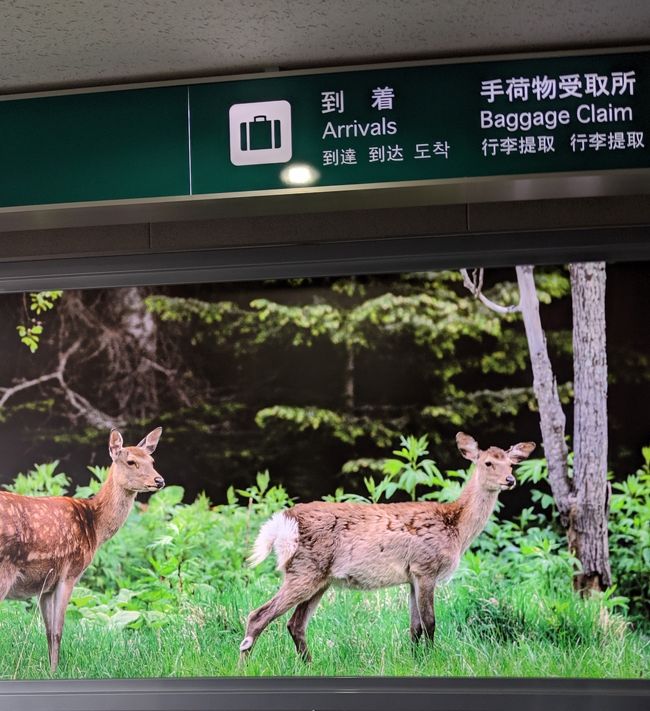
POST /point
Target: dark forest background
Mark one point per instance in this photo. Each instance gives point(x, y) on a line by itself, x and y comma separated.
point(304, 378)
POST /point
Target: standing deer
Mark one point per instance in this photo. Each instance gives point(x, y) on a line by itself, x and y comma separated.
point(370, 546)
point(46, 542)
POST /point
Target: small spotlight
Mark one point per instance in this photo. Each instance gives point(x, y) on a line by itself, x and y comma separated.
point(299, 174)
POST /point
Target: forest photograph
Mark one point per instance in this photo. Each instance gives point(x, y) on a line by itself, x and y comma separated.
point(431, 474)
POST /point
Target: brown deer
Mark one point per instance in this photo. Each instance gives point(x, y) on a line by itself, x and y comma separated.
point(370, 546)
point(46, 542)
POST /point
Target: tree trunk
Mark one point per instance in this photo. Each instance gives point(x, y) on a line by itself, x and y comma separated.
point(587, 530)
point(551, 414)
point(582, 501)
point(121, 340)
point(139, 334)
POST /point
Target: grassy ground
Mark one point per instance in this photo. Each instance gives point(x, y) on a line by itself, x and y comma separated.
point(514, 633)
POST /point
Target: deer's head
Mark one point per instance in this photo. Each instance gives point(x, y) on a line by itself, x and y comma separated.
point(133, 467)
point(493, 465)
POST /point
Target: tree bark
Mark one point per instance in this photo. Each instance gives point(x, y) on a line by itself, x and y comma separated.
point(583, 500)
point(139, 326)
point(551, 414)
point(587, 531)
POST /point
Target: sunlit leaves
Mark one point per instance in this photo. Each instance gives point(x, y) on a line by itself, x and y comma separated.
point(407, 471)
point(39, 303)
point(42, 480)
point(447, 333)
point(345, 427)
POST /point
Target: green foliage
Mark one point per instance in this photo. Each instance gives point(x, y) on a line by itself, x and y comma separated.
point(171, 555)
point(408, 469)
point(30, 335)
point(229, 318)
point(344, 427)
point(42, 480)
point(629, 536)
point(456, 336)
point(42, 301)
point(181, 566)
point(306, 323)
point(486, 627)
point(536, 470)
point(173, 559)
point(629, 530)
point(552, 284)
point(39, 303)
point(262, 498)
point(340, 496)
point(99, 475)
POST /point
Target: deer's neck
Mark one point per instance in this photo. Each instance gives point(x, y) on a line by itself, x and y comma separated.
point(475, 506)
point(112, 506)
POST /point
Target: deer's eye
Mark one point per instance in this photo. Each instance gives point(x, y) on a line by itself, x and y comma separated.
point(488, 464)
point(131, 463)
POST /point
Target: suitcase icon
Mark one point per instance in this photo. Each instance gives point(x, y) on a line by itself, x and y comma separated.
point(260, 134)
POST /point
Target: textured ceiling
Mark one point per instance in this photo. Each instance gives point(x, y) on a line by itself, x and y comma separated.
point(84, 42)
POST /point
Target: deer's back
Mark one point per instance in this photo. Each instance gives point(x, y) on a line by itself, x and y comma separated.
point(44, 538)
point(377, 545)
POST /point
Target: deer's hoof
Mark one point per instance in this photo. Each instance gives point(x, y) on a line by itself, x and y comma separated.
point(246, 644)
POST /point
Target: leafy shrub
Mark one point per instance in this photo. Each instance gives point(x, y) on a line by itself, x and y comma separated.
point(42, 480)
point(409, 469)
point(172, 558)
point(629, 536)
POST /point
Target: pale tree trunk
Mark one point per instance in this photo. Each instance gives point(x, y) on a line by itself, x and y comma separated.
point(137, 320)
point(587, 530)
point(139, 326)
point(583, 500)
point(551, 414)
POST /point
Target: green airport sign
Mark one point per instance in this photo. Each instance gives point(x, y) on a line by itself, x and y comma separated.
point(365, 127)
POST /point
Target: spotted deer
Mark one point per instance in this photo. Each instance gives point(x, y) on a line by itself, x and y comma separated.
point(46, 542)
point(371, 546)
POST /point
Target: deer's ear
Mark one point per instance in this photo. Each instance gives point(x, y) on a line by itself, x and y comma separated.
point(518, 452)
point(468, 446)
point(150, 442)
point(115, 443)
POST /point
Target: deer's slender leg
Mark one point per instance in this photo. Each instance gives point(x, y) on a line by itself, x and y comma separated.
point(46, 603)
point(424, 589)
point(290, 594)
point(53, 606)
point(297, 625)
point(416, 621)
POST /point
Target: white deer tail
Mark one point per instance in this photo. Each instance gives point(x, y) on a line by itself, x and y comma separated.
point(280, 532)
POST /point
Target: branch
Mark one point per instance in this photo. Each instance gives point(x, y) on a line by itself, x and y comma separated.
point(55, 375)
point(10, 392)
point(474, 284)
point(167, 372)
point(93, 416)
point(172, 376)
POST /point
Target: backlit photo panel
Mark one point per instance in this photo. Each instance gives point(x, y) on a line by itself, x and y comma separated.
point(432, 474)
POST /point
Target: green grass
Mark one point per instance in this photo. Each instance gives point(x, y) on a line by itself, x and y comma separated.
point(510, 631)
